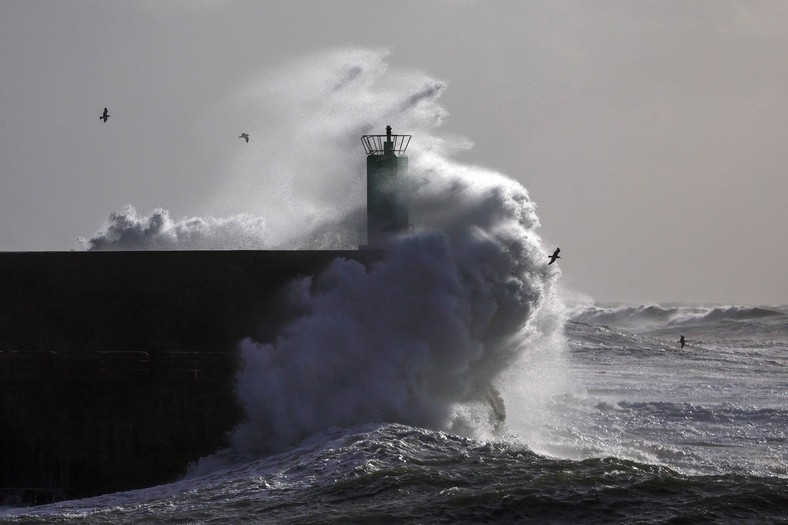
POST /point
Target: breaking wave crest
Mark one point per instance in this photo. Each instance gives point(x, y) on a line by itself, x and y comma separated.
point(650, 317)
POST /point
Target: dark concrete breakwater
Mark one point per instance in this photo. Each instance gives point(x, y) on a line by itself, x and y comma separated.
point(117, 368)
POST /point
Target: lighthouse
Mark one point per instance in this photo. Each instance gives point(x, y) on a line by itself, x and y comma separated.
point(387, 186)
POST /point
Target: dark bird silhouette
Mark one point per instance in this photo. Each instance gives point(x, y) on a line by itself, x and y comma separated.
point(682, 341)
point(244, 136)
point(554, 256)
point(104, 116)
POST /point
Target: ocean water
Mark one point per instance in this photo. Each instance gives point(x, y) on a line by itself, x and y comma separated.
point(647, 433)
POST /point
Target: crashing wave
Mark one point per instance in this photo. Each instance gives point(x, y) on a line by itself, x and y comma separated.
point(425, 336)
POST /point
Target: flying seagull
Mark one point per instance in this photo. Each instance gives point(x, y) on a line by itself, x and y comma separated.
point(682, 341)
point(105, 115)
point(244, 136)
point(554, 256)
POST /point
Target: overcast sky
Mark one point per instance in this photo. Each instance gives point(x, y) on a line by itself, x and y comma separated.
point(651, 134)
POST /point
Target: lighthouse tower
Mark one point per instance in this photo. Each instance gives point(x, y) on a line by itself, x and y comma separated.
point(387, 191)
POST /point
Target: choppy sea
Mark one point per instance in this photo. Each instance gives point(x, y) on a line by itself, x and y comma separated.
point(648, 433)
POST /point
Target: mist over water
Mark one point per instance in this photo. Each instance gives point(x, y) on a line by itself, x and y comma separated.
point(459, 317)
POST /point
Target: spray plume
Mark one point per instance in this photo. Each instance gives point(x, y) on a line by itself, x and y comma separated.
point(437, 334)
point(126, 230)
point(423, 337)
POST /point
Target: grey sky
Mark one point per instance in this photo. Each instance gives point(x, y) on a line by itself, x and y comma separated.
point(649, 133)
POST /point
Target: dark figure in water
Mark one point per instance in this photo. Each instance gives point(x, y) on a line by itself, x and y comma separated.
point(244, 136)
point(554, 256)
point(104, 115)
point(682, 341)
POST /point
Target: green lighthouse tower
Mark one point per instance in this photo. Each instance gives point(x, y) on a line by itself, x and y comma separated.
point(387, 185)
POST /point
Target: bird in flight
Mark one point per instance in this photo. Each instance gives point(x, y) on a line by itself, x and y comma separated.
point(244, 136)
point(554, 256)
point(105, 115)
point(682, 341)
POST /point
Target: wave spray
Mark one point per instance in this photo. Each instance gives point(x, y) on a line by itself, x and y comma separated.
point(424, 336)
point(457, 324)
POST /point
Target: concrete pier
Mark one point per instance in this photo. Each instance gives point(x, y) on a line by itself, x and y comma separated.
point(117, 368)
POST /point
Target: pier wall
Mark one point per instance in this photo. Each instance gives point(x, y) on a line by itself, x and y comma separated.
point(117, 368)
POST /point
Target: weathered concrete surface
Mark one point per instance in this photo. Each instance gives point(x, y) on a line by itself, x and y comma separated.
point(117, 368)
